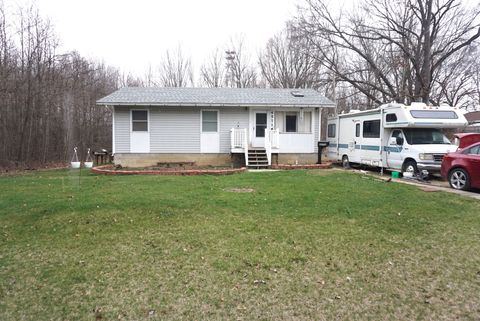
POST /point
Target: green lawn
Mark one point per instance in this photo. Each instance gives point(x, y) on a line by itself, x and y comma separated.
point(305, 245)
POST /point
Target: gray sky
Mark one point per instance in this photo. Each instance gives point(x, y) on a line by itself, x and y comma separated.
point(133, 34)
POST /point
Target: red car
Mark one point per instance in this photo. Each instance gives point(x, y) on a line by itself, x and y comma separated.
point(462, 168)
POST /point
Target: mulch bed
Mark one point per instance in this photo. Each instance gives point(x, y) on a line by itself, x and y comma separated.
point(110, 170)
point(300, 166)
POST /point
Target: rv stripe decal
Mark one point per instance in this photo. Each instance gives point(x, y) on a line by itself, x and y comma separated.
point(370, 147)
point(392, 149)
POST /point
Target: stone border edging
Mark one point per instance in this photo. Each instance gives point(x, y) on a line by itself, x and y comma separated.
point(186, 172)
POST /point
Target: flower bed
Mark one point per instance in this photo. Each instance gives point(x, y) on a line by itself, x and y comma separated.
point(110, 170)
point(300, 166)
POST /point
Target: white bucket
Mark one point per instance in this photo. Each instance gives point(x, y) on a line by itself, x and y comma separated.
point(88, 164)
point(75, 164)
point(407, 174)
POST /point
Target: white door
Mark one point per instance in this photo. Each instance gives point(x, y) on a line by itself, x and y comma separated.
point(209, 136)
point(139, 131)
point(354, 145)
point(394, 149)
point(260, 126)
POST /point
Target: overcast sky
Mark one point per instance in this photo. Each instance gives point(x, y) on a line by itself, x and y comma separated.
point(133, 34)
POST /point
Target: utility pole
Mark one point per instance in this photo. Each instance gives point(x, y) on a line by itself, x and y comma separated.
point(230, 57)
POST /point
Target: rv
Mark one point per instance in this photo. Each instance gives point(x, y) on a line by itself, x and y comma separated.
point(394, 136)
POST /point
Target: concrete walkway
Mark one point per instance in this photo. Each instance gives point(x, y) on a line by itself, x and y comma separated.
point(430, 186)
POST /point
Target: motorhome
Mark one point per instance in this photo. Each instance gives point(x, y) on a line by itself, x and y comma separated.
point(394, 136)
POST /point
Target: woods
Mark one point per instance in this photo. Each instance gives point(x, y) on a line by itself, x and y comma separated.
point(360, 56)
point(47, 99)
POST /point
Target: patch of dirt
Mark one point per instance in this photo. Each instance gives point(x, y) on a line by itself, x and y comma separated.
point(239, 190)
point(428, 189)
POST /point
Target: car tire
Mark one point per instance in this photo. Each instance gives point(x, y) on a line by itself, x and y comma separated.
point(410, 166)
point(459, 179)
point(345, 162)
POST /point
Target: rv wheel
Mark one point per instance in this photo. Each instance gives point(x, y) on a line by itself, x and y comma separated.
point(410, 167)
point(345, 162)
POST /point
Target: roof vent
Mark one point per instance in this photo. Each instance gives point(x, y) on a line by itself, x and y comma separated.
point(297, 93)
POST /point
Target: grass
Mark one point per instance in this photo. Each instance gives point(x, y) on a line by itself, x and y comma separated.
point(304, 245)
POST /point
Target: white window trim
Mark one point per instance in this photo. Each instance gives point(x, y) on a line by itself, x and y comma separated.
point(201, 120)
point(285, 121)
point(131, 121)
point(297, 114)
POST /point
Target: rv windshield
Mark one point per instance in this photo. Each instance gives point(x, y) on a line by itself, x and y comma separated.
point(418, 136)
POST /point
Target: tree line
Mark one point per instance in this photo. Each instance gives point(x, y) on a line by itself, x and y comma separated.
point(376, 51)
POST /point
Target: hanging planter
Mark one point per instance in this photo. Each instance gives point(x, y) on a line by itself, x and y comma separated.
point(75, 163)
point(88, 161)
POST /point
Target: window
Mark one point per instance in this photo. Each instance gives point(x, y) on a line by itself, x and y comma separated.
point(331, 130)
point(475, 150)
point(391, 117)
point(421, 136)
point(291, 122)
point(397, 134)
point(434, 114)
point(139, 120)
point(357, 130)
point(371, 128)
point(209, 121)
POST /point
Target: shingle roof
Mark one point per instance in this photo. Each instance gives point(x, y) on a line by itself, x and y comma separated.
point(216, 97)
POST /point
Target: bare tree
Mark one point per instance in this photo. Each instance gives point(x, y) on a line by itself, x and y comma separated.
point(391, 49)
point(289, 62)
point(176, 69)
point(240, 72)
point(47, 99)
point(212, 72)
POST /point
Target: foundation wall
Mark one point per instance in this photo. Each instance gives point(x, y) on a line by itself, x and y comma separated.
point(151, 159)
point(237, 159)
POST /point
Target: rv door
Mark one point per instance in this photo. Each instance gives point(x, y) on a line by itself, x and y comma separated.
point(355, 143)
point(394, 149)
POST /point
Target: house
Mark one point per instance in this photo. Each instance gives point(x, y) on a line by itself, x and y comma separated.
point(215, 126)
point(473, 121)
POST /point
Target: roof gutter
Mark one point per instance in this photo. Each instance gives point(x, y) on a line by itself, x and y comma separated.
point(214, 105)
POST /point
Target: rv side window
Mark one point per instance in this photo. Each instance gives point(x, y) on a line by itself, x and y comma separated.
point(357, 130)
point(391, 117)
point(331, 130)
point(434, 114)
point(371, 128)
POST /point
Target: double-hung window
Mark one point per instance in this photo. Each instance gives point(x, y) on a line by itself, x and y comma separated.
point(140, 120)
point(291, 122)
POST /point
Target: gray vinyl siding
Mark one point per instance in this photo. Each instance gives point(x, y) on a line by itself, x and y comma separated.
point(122, 130)
point(175, 130)
point(231, 118)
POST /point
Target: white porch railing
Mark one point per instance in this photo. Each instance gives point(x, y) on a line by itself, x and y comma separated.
point(239, 140)
point(272, 140)
point(275, 138)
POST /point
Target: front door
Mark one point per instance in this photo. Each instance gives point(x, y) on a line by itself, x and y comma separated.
point(260, 128)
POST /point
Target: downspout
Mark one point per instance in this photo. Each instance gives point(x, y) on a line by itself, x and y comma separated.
point(113, 130)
